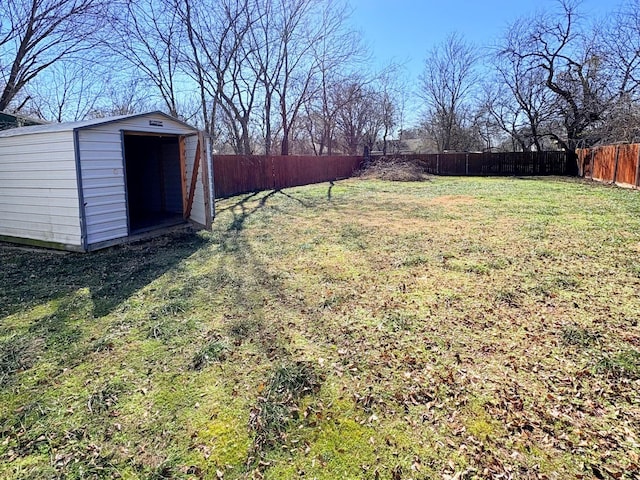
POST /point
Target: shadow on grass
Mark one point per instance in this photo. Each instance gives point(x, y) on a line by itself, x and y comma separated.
point(331, 185)
point(33, 277)
point(252, 282)
point(239, 218)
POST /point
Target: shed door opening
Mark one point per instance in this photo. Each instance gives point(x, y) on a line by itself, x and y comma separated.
point(154, 184)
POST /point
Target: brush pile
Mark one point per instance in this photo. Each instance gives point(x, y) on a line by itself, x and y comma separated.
point(394, 169)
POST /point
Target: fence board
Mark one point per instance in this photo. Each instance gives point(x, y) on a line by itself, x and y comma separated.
point(627, 158)
point(234, 174)
point(611, 163)
point(604, 164)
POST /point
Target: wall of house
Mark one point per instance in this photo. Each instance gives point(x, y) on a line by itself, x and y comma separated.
point(101, 159)
point(38, 188)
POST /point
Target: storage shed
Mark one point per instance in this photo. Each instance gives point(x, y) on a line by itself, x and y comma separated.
point(86, 185)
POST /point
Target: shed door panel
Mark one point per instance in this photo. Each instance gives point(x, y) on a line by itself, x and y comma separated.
point(103, 184)
point(196, 189)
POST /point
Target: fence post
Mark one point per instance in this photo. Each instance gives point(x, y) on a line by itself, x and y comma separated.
point(466, 166)
point(437, 164)
point(615, 168)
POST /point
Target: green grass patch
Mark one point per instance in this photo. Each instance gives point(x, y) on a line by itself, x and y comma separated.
point(624, 364)
point(456, 328)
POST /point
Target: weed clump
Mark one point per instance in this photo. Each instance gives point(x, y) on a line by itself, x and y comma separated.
point(215, 350)
point(277, 407)
point(103, 399)
point(241, 328)
point(576, 336)
point(625, 364)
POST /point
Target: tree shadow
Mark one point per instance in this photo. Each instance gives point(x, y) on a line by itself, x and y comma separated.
point(331, 185)
point(243, 200)
point(239, 219)
point(252, 283)
point(301, 202)
point(34, 277)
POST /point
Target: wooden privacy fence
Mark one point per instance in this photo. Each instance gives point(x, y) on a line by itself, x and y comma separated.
point(618, 164)
point(234, 174)
point(500, 163)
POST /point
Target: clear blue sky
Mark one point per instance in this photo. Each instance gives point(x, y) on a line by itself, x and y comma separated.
point(405, 30)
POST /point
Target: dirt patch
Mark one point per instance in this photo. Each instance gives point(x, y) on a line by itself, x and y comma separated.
point(395, 170)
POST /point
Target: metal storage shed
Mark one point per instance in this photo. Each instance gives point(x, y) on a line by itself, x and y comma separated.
point(86, 185)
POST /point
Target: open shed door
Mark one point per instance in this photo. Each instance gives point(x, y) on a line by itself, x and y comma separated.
point(196, 185)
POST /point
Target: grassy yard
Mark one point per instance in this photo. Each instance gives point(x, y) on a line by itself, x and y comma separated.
point(454, 328)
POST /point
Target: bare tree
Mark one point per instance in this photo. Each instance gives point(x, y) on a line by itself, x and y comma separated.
point(294, 40)
point(67, 91)
point(358, 123)
point(621, 37)
point(148, 35)
point(35, 34)
point(338, 54)
point(298, 29)
point(390, 104)
point(122, 97)
point(217, 59)
point(446, 86)
point(517, 98)
point(570, 60)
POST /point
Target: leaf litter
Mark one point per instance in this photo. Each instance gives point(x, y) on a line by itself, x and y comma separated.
point(488, 340)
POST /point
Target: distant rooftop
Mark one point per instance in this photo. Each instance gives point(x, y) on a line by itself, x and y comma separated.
point(15, 120)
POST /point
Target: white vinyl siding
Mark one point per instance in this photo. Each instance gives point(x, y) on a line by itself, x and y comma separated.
point(39, 197)
point(39, 189)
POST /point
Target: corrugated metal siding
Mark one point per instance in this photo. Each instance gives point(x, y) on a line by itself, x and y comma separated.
point(103, 181)
point(38, 188)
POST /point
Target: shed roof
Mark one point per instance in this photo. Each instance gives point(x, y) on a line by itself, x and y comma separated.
point(69, 126)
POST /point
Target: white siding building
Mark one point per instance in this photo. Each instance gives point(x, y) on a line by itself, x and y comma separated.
point(87, 185)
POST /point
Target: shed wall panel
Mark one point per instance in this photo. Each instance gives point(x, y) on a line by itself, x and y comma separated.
point(38, 188)
point(43, 201)
point(35, 231)
point(14, 165)
point(103, 181)
point(32, 210)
